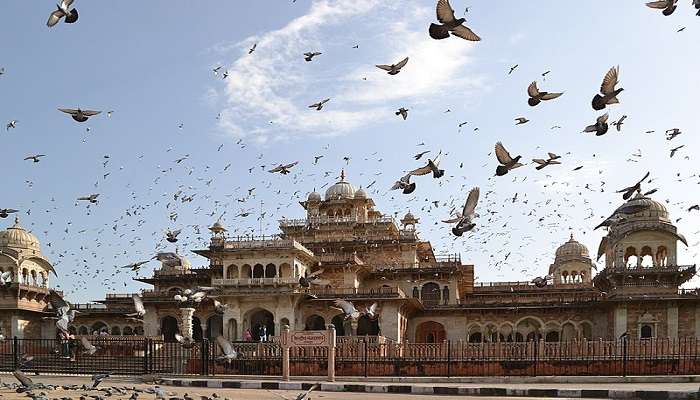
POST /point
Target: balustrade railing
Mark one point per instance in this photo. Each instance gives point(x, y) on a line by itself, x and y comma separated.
point(254, 281)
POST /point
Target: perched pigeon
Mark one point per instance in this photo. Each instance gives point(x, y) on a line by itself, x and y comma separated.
point(507, 162)
point(393, 69)
point(63, 10)
point(97, 379)
point(536, 96)
point(450, 24)
point(607, 88)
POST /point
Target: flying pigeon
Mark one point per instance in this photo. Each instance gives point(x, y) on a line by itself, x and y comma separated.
point(600, 127)
point(63, 10)
point(631, 190)
point(230, 353)
point(536, 96)
point(507, 162)
point(607, 88)
point(319, 106)
point(450, 24)
point(171, 236)
point(78, 114)
point(405, 184)
point(5, 212)
point(403, 112)
point(91, 198)
point(348, 308)
point(543, 163)
point(393, 69)
point(310, 55)
point(283, 168)
point(35, 157)
point(432, 166)
point(465, 221)
point(668, 6)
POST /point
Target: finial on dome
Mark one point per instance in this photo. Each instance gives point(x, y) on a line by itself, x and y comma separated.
point(571, 237)
point(342, 175)
point(16, 219)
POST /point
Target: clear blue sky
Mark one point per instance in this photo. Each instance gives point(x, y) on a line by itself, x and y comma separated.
point(153, 67)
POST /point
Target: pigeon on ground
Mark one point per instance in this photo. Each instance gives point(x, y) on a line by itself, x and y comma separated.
point(319, 106)
point(63, 10)
point(507, 162)
point(393, 69)
point(607, 88)
point(78, 114)
point(283, 168)
point(450, 24)
point(403, 112)
point(631, 190)
point(600, 127)
point(97, 379)
point(668, 6)
point(536, 96)
point(465, 222)
point(310, 55)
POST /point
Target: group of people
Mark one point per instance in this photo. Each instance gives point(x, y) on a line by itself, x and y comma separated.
point(262, 335)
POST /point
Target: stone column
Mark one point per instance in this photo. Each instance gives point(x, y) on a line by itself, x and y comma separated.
point(353, 325)
point(150, 322)
point(331, 352)
point(620, 320)
point(697, 321)
point(672, 320)
point(186, 325)
point(389, 321)
point(284, 341)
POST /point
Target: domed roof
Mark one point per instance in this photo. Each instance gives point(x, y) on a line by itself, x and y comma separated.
point(218, 227)
point(314, 196)
point(408, 216)
point(340, 190)
point(571, 249)
point(15, 237)
point(654, 210)
point(360, 194)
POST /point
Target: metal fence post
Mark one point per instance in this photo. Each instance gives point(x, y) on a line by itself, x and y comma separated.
point(366, 351)
point(15, 353)
point(536, 354)
point(205, 357)
point(624, 356)
point(449, 357)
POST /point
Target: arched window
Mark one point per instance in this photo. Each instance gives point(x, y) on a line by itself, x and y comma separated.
point(631, 258)
point(661, 256)
point(565, 277)
point(127, 331)
point(99, 327)
point(367, 326)
point(475, 337)
point(246, 271)
point(83, 330)
point(258, 271)
point(430, 332)
point(339, 323)
point(168, 328)
point(430, 293)
point(552, 336)
point(646, 332)
point(232, 330)
point(116, 330)
point(138, 331)
point(446, 295)
point(232, 272)
point(270, 271)
point(647, 257)
point(215, 326)
point(34, 280)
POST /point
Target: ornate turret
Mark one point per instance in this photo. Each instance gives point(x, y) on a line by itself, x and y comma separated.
point(640, 250)
point(572, 264)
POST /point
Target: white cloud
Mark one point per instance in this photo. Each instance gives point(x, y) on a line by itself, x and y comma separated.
point(267, 92)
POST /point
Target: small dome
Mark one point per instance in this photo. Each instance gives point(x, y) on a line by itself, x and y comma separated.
point(360, 194)
point(217, 227)
point(408, 216)
point(15, 237)
point(655, 210)
point(314, 196)
point(571, 249)
point(340, 190)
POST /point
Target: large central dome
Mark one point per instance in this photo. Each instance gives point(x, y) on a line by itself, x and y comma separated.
point(340, 190)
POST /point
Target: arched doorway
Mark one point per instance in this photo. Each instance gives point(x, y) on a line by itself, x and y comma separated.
point(315, 322)
point(215, 326)
point(430, 293)
point(270, 271)
point(430, 332)
point(258, 271)
point(168, 328)
point(365, 326)
point(259, 319)
point(339, 323)
point(232, 331)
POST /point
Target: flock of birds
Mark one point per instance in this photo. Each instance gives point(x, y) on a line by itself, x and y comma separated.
point(194, 197)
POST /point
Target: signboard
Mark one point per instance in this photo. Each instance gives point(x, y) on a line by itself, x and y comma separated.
point(309, 338)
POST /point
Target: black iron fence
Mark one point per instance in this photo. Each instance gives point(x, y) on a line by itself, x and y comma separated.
point(135, 356)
